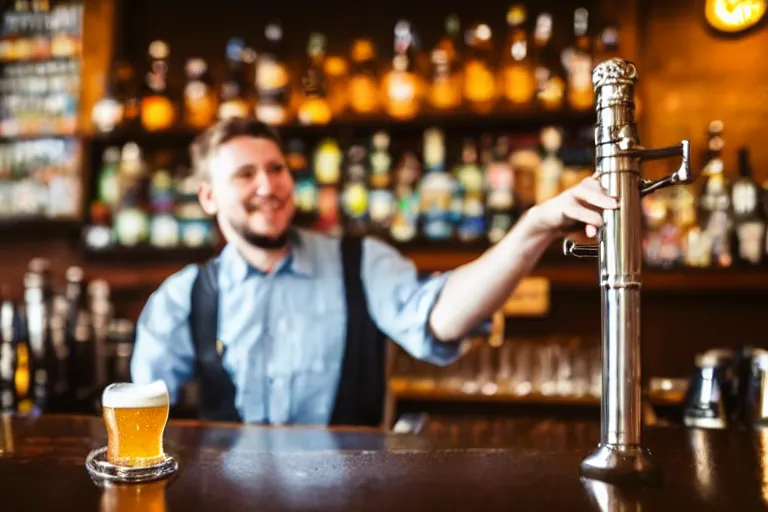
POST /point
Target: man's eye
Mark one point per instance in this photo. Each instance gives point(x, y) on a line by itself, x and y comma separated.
point(244, 175)
point(277, 168)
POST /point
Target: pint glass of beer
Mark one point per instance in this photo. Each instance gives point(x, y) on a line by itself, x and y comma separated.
point(135, 416)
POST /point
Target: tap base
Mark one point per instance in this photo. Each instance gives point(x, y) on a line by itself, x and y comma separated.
point(616, 463)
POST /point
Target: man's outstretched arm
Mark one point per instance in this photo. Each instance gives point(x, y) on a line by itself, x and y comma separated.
point(476, 290)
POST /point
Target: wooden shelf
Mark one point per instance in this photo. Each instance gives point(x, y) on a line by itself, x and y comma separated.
point(144, 267)
point(509, 121)
point(443, 395)
point(403, 389)
point(147, 255)
point(25, 229)
point(133, 278)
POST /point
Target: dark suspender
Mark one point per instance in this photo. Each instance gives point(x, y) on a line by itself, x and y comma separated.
point(217, 392)
point(362, 385)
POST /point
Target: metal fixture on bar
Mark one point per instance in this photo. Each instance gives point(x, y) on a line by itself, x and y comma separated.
point(618, 158)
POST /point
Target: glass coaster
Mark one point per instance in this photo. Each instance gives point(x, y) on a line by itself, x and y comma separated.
point(101, 469)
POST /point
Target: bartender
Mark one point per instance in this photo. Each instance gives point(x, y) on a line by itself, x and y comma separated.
point(286, 325)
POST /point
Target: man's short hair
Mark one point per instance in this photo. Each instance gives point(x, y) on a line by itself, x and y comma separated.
point(205, 144)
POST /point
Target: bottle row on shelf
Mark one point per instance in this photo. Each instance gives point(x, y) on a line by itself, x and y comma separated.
point(40, 178)
point(440, 189)
point(468, 70)
point(35, 30)
point(468, 192)
point(39, 98)
point(718, 222)
point(60, 347)
point(41, 73)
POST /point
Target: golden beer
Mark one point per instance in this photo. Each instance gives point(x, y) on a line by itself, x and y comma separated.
point(135, 416)
point(149, 497)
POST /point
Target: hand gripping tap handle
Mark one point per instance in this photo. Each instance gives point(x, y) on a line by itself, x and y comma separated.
point(618, 158)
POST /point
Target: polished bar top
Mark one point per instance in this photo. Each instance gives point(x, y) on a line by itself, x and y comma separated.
point(510, 465)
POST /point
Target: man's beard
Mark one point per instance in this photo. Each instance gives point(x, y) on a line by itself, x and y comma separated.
point(273, 242)
point(264, 241)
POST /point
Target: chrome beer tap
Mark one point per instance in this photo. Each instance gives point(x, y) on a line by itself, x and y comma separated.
point(618, 159)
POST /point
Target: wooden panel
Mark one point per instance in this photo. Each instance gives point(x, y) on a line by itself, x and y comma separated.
point(690, 76)
point(98, 20)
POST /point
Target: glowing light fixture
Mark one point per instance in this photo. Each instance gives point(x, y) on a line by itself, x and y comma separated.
point(734, 16)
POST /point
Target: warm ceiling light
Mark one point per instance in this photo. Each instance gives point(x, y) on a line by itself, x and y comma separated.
point(734, 15)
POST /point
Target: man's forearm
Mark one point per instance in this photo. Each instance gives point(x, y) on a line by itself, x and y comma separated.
point(478, 289)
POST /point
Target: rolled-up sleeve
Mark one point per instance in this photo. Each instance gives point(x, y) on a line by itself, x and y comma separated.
point(163, 348)
point(401, 304)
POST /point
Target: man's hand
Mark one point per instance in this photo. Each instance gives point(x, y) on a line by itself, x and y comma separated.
point(583, 203)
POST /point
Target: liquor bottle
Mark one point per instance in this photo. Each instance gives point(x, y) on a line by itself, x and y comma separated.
point(336, 70)
point(107, 113)
point(470, 179)
point(445, 89)
point(199, 96)
point(381, 201)
point(305, 190)
point(196, 228)
point(500, 199)
point(157, 109)
point(381, 161)
point(517, 81)
point(437, 189)
point(666, 249)
point(715, 203)
point(479, 77)
point(577, 60)
point(22, 380)
point(403, 88)
point(313, 106)
point(122, 339)
point(128, 93)
point(101, 310)
point(355, 191)
point(37, 329)
point(327, 165)
point(130, 216)
point(272, 79)
point(163, 226)
point(60, 372)
point(233, 97)
point(66, 26)
point(74, 294)
point(8, 360)
point(42, 268)
point(405, 223)
point(525, 159)
point(364, 95)
point(549, 73)
point(83, 360)
point(748, 214)
point(551, 169)
point(686, 221)
point(108, 180)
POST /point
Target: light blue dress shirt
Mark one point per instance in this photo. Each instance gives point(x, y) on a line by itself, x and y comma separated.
point(285, 331)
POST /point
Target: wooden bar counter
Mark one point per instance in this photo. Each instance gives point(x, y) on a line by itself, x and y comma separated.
point(524, 465)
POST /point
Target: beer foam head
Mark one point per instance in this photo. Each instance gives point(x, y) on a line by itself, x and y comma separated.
point(128, 395)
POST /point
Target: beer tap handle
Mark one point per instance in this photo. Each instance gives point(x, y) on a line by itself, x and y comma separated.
point(681, 176)
point(571, 248)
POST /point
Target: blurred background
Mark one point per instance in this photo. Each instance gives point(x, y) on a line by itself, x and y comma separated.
point(434, 128)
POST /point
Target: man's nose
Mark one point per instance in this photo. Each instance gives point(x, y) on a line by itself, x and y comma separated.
point(263, 182)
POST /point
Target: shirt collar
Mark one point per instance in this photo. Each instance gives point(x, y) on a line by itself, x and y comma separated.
point(234, 269)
